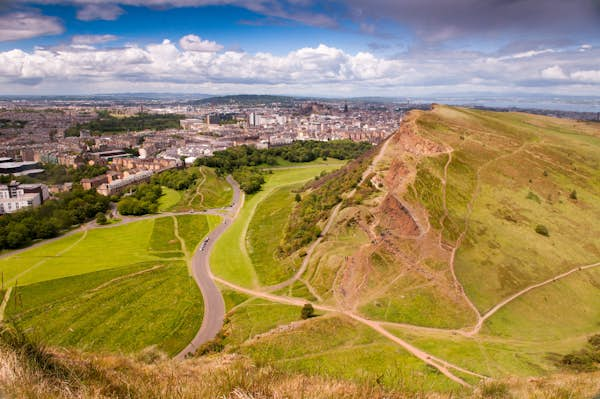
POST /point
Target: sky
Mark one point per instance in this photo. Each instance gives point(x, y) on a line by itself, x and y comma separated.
point(399, 48)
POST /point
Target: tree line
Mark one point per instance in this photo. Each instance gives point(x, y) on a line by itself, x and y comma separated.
point(50, 219)
point(142, 201)
point(59, 174)
point(106, 123)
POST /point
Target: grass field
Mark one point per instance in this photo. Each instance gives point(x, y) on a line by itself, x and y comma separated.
point(124, 309)
point(117, 246)
point(265, 233)
point(122, 288)
point(169, 199)
point(230, 259)
point(338, 347)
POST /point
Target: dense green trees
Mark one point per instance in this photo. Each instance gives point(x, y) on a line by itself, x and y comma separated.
point(19, 229)
point(234, 158)
point(106, 123)
point(143, 201)
point(177, 179)
point(59, 174)
point(250, 179)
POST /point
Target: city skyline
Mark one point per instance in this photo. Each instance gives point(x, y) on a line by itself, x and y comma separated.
point(386, 48)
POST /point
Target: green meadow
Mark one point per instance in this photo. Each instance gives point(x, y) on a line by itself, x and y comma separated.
point(122, 288)
point(230, 258)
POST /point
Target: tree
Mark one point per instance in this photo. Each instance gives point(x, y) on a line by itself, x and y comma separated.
point(297, 198)
point(101, 218)
point(307, 311)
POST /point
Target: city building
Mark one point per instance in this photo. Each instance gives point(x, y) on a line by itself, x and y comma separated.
point(15, 196)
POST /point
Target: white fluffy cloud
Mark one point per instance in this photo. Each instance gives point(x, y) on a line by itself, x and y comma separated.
point(554, 72)
point(199, 64)
point(195, 43)
point(25, 25)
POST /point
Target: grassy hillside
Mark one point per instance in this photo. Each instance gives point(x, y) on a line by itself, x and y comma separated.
point(121, 288)
point(207, 191)
point(230, 258)
point(509, 173)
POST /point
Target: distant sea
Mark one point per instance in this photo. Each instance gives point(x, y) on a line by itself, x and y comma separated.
point(572, 104)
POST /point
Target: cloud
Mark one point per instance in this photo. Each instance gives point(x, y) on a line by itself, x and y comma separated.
point(554, 73)
point(25, 25)
point(93, 39)
point(106, 12)
point(195, 43)
point(592, 76)
point(194, 63)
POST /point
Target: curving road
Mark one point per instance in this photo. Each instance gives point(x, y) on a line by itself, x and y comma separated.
point(214, 306)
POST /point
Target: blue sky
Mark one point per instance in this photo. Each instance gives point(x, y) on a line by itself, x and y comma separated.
point(354, 47)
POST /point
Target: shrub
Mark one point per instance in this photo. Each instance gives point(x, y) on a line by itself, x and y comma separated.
point(542, 230)
point(101, 218)
point(307, 311)
point(573, 195)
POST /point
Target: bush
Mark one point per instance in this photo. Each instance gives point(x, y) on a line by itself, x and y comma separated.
point(542, 230)
point(307, 311)
point(573, 195)
point(101, 218)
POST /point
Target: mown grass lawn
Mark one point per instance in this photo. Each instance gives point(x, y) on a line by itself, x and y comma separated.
point(119, 310)
point(122, 288)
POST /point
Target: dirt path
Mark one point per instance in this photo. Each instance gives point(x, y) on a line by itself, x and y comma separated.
point(309, 252)
point(184, 248)
point(120, 278)
point(198, 187)
point(439, 364)
point(511, 298)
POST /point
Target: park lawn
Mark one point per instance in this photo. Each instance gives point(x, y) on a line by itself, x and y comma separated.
point(265, 232)
point(229, 258)
point(103, 248)
point(96, 249)
point(114, 310)
point(163, 238)
point(169, 199)
point(282, 163)
point(336, 346)
point(193, 228)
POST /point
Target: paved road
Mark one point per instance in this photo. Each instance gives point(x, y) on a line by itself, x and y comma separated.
point(214, 306)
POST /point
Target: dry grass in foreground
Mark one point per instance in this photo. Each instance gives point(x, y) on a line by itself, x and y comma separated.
point(30, 371)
